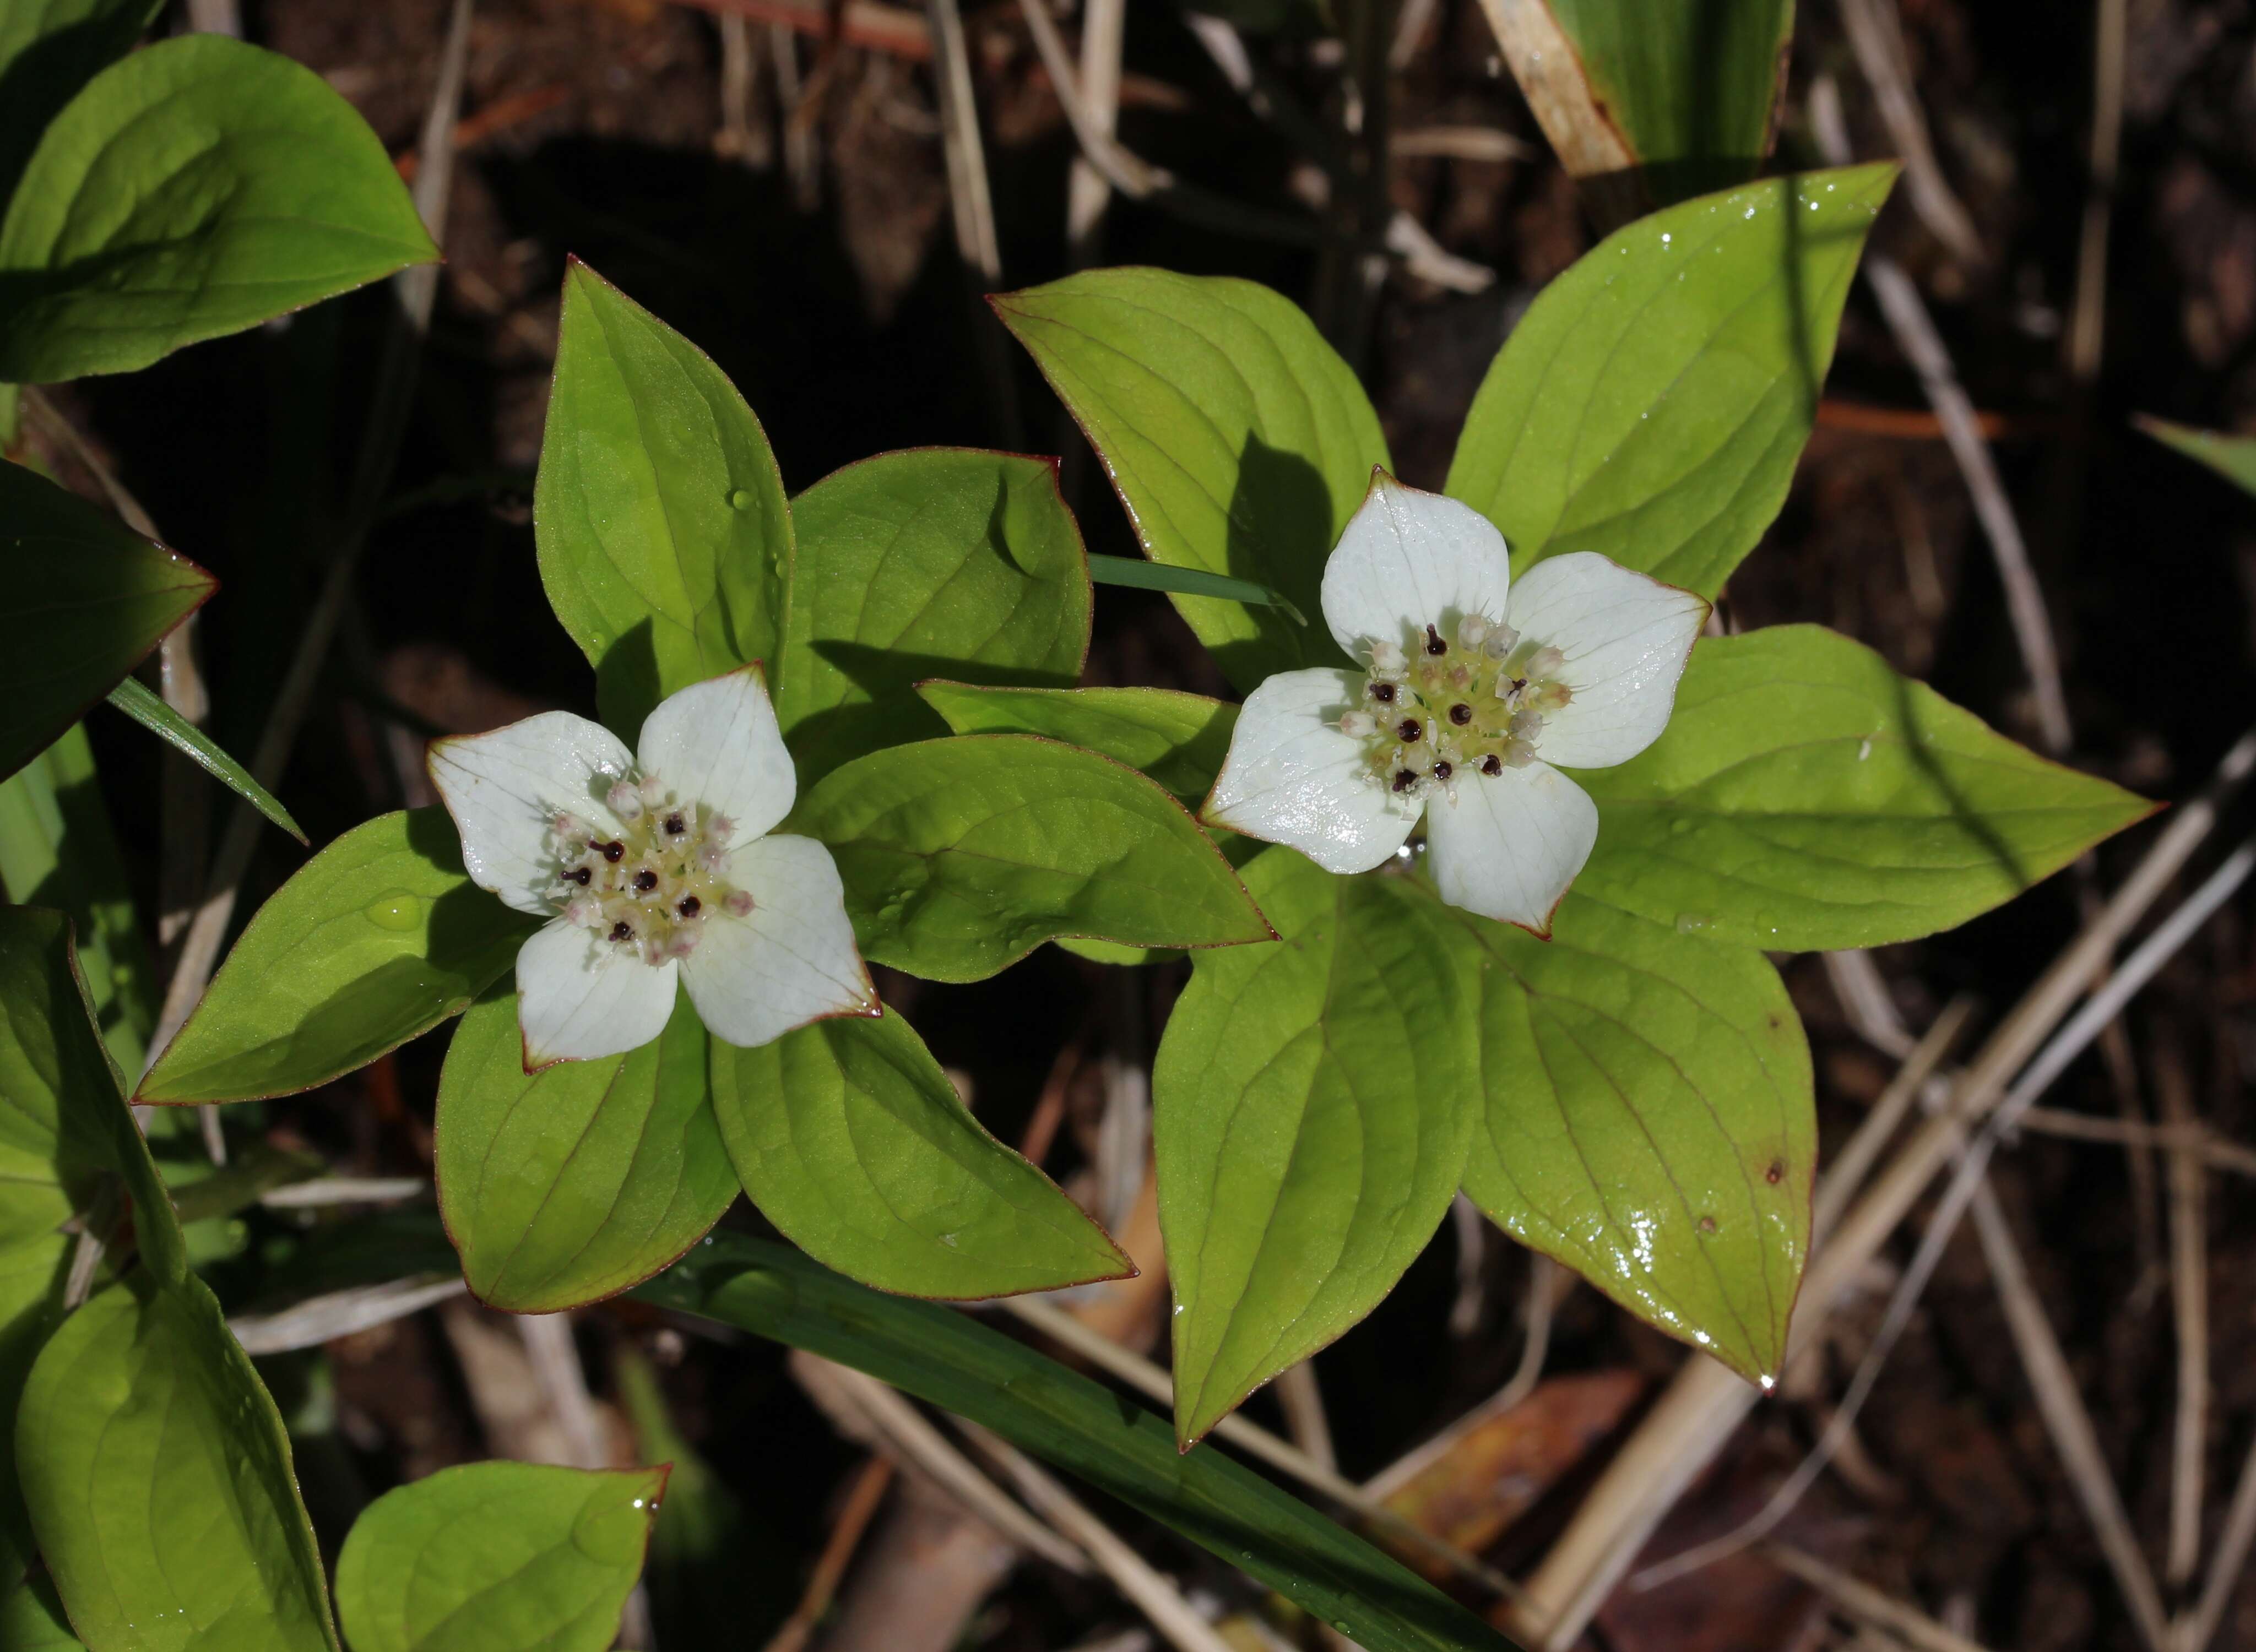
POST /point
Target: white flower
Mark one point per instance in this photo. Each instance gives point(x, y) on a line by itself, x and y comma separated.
point(1474, 687)
point(655, 865)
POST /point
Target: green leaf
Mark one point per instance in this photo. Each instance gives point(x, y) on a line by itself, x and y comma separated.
point(82, 601)
point(32, 1620)
point(137, 701)
point(850, 1139)
point(1654, 400)
point(378, 939)
point(1312, 1106)
point(1805, 797)
point(939, 561)
point(960, 856)
point(31, 1275)
point(659, 513)
point(62, 1121)
point(1650, 1121)
point(497, 1557)
point(48, 50)
point(158, 1474)
point(57, 850)
point(197, 188)
point(2230, 457)
point(1238, 440)
point(945, 1357)
point(1177, 739)
point(568, 1185)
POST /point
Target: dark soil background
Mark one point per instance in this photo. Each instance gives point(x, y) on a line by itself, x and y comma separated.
point(596, 128)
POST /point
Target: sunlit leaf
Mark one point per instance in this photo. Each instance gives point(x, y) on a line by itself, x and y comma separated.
point(664, 537)
point(496, 1557)
point(941, 561)
point(1806, 796)
point(1652, 402)
point(1238, 440)
point(48, 50)
point(572, 1184)
point(1649, 1121)
point(1312, 1105)
point(851, 1140)
point(194, 189)
point(378, 938)
point(961, 855)
point(1179, 740)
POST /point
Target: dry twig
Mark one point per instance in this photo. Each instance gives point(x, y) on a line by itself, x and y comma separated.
point(1860, 1600)
point(1876, 35)
point(2190, 1311)
point(863, 1498)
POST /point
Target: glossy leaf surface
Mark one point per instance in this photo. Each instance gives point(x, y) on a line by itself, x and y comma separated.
point(48, 50)
point(1237, 439)
point(570, 1184)
point(194, 189)
point(1652, 402)
point(935, 562)
point(947, 1358)
point(1649, 1121)
point(159, 1478)
point(143, 706)
point(961, 855)
point(378, 939)
point(1807, 798)
point(850, 1139)
point(1312, 1105)
point(659, 513)
point(1179, 740)
point(496, 1557)
point(81, 602)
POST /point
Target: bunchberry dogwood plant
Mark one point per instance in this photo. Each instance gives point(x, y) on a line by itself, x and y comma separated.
point(654, 865)
point(641, 934)
point(1474, 687)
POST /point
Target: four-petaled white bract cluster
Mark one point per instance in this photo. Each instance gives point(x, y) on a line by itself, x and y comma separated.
point(655, 865)
point(1474, 687)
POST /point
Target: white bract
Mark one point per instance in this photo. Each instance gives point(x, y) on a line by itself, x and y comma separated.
point(1474, 687)
point(655, 865)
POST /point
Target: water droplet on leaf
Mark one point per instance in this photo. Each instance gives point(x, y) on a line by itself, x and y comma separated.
point(740, 500)
point(1693, 922)
point(395, 910)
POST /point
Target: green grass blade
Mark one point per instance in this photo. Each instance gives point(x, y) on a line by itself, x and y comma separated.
point(949, 1359)
point(1160, 576)
point(137, 701)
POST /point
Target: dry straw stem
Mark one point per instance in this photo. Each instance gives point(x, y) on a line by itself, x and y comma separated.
point(339, 1313)
point(1906, 316)
point(1697, 1413)
point(1155, 1596)
point(2198, 1627)
point(2066, 1420)
point(415, 290)
point(1875, 31)
point(2189, 1312)
point(2218, 1153)
point(973, 204)
point(1140, 1374)
point(1867, 1605)
point(1103, 24)
point(1854, 1161)
point(1864, 1000)
point(888, 1421)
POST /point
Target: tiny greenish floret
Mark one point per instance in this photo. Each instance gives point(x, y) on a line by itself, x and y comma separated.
point(1446, 707)
point(650, 888)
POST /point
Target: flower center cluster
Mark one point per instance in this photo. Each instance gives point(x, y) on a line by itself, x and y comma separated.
point(1448, 707)
point(650, 888)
